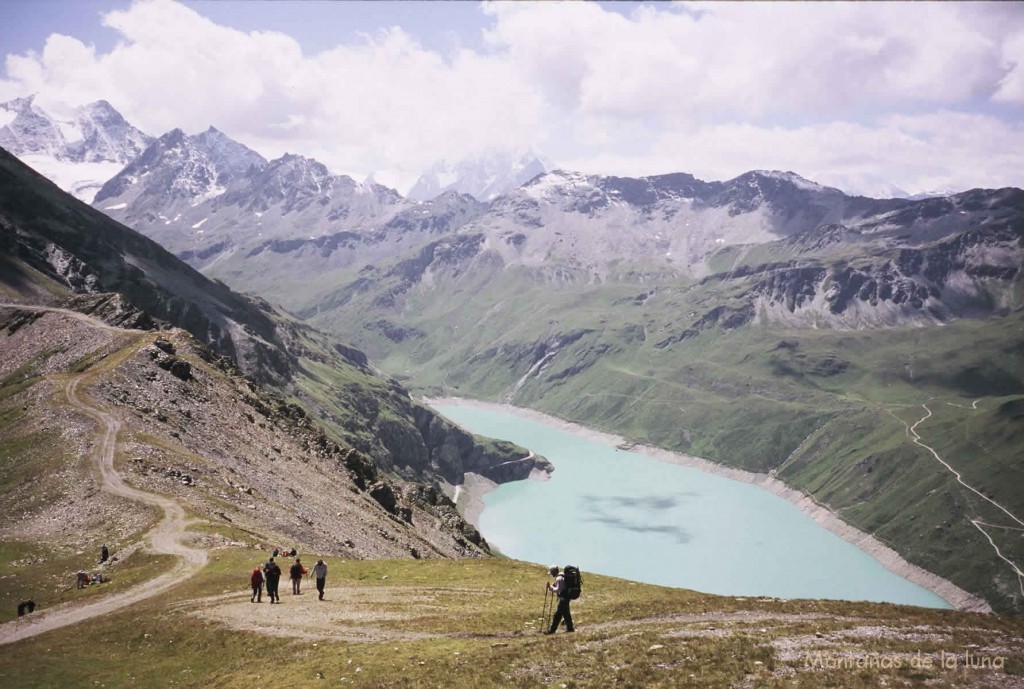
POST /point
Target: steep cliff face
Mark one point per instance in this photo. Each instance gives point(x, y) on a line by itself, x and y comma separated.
point(452, 452)
point(970, 275)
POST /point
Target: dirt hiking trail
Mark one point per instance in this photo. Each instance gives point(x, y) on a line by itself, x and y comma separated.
point(165, 538)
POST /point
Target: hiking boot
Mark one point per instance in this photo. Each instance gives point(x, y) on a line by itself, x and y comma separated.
point(570, 631)
point(548, 631)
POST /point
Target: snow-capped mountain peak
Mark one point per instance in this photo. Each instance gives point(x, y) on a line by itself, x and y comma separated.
point(791, 177)
point(484, 177)
point(106, 135)
point(193, 168)
point(556, 184)
point(30, 131)
point(78, 152)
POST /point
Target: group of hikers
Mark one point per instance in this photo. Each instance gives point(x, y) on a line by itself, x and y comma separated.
point(269, 573)
point(565, 588)
point(83, 579)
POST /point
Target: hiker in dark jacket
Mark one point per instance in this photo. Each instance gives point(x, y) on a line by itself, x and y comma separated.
point(256, 579)
point(296, 573)
point(320, 574)
point(562, 611)
point(104, 553)
point(272, 574)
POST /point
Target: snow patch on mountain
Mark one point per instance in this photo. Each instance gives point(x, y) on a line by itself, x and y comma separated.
point(558, 183)
point(793, 178)
point(81, 180)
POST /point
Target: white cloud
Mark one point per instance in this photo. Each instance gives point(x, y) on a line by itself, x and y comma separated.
point(753, 58)
point(873, 90)
point(943, 150)
point(1011, 86)
point(385, 102)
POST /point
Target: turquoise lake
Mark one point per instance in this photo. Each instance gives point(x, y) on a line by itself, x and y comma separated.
point(627, 515)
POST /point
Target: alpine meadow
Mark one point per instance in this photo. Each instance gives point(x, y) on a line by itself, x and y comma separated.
point(250, 251)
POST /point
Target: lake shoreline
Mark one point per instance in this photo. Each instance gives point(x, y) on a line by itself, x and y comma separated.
point(822, 515)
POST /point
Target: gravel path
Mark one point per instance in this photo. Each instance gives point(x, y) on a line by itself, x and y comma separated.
point(165, 538)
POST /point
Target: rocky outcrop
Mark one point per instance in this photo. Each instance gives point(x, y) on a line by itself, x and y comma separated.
point(960, 277)
point(452, 452)
point(114, 310)
point(726, 317)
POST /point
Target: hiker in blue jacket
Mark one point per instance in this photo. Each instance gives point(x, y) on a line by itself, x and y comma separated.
point(559, 588)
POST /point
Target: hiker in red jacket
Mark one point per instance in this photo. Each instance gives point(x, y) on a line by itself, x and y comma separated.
point(256, 579)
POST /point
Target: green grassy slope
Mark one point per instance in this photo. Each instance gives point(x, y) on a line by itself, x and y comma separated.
point(475, 623)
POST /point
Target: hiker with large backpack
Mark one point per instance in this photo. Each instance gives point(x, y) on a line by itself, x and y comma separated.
point(566, 587)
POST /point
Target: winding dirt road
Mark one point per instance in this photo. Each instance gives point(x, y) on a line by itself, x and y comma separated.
point(977, 523)
point(165, 538)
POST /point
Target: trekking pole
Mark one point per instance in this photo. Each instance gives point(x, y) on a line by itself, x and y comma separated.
point(544, 610)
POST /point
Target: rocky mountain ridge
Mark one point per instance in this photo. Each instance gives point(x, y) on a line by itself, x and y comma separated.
point(803, 255)
point(208, 198)
point(258, 224)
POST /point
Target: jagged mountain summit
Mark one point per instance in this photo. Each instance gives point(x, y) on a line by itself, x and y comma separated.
point(268, 227)
point(813, 256)
point(207, 197)
point(28, 130)
point(484, 177)
point(189, 168)
point(79, 152)
point(174, 174)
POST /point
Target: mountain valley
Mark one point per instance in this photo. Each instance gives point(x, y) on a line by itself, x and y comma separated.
point(764, 322)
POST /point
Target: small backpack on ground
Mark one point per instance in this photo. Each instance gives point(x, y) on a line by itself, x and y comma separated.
point(573, 582)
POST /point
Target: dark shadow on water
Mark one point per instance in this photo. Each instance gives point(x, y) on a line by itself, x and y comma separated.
point(680, 534)
point(644, 502)
point(607, 509)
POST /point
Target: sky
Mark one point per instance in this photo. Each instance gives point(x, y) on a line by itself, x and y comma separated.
point(920, 96)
